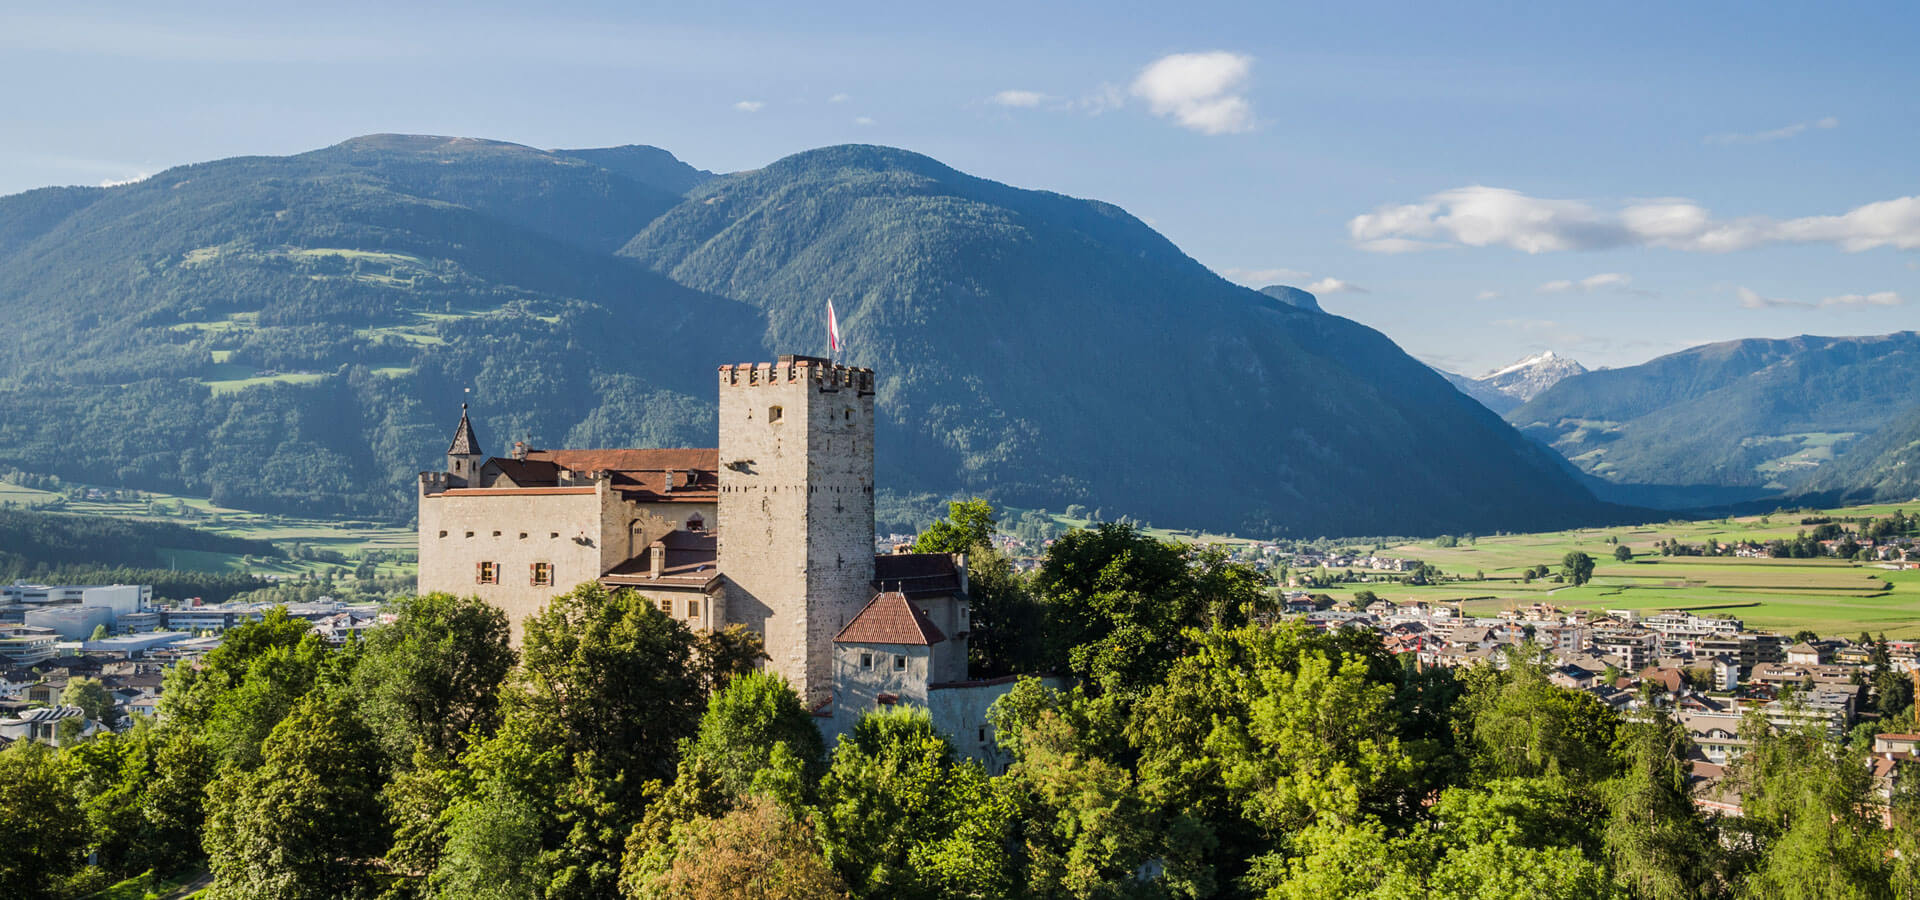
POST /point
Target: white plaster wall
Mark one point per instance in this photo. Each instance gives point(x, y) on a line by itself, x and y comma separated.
point(558, 529)
point(857, 689)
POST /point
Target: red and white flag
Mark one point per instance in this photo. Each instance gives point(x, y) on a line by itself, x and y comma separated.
point(833, 329)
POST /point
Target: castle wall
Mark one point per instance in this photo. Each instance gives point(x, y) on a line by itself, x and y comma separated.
point(512, 529)
point(857, 688)
point(796, 508)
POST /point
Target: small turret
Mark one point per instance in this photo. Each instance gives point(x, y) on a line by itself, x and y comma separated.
point(464, 458)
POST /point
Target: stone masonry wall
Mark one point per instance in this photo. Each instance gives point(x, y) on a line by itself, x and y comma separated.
point(796, 508)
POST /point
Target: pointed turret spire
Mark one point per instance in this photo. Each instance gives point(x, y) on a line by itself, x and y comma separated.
point(464, 441)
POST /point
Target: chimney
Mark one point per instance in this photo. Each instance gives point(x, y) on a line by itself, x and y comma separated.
point(960, 565)
point(657, 554)
point(519, 449)
point(668, 481)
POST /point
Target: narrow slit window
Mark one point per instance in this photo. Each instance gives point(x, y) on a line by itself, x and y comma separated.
point(774, 414)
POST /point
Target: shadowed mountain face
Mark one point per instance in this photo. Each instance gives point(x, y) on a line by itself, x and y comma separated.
point(1768, 416)
point(1049, 350)
point(294, 333)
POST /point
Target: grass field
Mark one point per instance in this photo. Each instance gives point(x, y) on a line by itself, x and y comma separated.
point(348, 538)
point(1828, 596)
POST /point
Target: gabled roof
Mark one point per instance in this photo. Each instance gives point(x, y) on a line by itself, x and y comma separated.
point(890, 618)
point(464, 441)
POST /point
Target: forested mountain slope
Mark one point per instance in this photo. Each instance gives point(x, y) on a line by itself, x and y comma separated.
point(1882, 467)
point(1764, 414)
point(294, 332)
point(1050, 350)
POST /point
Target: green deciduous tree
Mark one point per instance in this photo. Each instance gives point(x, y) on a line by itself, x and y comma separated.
point(1118, 601)
point(899, 817)
point(607, 689)
point(1515, 723)
point(1576, 567)
point(759, 850)
point(306, 822)
point(433, 676)
point(246, 685)
point(1808, 813)
point(969, 524)
point(733, 650)
point(745, 721)
point(42, 828)
point(90, 695)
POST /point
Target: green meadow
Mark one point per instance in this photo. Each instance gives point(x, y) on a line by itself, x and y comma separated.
point(1837, 597)
point(349, 538)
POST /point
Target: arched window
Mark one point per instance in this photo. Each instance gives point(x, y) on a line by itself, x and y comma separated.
point(696, 522)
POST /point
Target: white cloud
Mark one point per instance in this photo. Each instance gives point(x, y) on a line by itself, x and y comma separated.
point(1880, 298)
point(748, 106)
point(1201, 91)
point(1262, 277)
point(862, 120)
point(1751, 299)
point(136, 179)
point(1487, 295)
point(1107, 96)
point(838, 98)
point(1334, 286)
point(1480, 216)
point(1777, 134)
point(1589, 284)
point(1018, 99)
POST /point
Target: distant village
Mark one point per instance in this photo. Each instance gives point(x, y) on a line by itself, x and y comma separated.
point(1709, 671)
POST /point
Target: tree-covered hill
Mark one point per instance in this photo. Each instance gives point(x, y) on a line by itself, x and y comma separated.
point(1769, 415)
point(292, 333)
point(1052, 350)
point(1884, 466)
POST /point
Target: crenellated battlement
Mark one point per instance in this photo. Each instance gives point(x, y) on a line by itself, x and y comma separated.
point(792, 369)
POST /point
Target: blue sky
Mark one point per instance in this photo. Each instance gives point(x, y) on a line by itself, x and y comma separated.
point(1477, 181)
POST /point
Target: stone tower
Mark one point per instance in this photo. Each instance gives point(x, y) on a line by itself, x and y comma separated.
point(796, 508)
point(464, 458)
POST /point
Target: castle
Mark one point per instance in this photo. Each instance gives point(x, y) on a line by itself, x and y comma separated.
point(772, 530)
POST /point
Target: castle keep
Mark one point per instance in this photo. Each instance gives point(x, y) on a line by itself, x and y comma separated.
point(772, 530)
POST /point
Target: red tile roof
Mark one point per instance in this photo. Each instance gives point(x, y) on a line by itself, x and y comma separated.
point(890, 619)
point(643, 475)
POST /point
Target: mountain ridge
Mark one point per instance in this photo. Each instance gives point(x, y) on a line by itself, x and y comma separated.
point(1758, 413)
point(275, 330)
